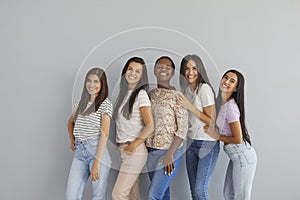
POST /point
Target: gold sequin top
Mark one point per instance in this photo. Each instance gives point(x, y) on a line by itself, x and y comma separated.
point(170, 119)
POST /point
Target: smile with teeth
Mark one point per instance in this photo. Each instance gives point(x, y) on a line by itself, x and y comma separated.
point(132, 77)
point(163, 74)
point(225, 86)
point(92, 89)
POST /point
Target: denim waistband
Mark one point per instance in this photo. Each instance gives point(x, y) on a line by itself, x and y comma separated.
point(231, 148)
point(87, 140)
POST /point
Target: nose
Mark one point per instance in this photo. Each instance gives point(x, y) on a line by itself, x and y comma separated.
point(163, 67)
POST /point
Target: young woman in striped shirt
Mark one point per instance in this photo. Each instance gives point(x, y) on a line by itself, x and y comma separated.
point(88, 129)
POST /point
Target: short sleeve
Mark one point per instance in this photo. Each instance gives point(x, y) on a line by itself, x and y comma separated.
point(143, 99)
point(106, 107)
point(233, 113)
point(206, 95)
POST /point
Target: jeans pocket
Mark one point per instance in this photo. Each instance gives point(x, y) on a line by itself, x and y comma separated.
point(250, 155)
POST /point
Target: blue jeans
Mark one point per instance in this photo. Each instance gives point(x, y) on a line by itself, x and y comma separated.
point(201, 159)
point(80, 171)
point(240, 171)
point(160, 182)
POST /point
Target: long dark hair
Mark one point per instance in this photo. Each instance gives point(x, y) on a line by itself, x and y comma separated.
point(238, 96)
point(202, 75)
point(85, 96)
point(142, 84)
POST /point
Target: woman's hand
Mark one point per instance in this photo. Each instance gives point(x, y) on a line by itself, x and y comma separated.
point(72, 145)
point(168, 161)
point(95, 171)
point(183, 101)
point(129, 149)
point(212, 131)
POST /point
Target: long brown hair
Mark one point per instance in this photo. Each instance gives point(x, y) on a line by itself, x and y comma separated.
point(85, 96)
point(202, 75)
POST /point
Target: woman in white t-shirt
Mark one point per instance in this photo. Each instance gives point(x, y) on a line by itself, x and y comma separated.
point(203, 150)
point(88, 129)
point(134, 123)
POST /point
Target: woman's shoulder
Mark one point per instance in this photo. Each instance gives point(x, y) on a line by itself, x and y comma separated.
point(143, 92)
point(204, 87)
point(106, 102)
point(232, 105)
point(163, 94)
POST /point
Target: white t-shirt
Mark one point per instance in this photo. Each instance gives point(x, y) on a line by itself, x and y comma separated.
point(89, 126)
point(201, 97)
point(129, 129)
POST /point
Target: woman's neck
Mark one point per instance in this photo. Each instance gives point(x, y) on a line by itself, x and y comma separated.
point(131, 86)
point(92, 99)
point(193, 86)
point(226, 97)
point(165, 85)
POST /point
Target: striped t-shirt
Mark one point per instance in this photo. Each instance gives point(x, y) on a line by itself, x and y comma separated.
point(89, 126)
point(130, 129)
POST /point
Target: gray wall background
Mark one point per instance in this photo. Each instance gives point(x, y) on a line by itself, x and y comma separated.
point(44, 43)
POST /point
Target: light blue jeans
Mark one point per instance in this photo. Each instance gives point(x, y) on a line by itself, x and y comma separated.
point(201, 159)
point(240, 171)
point(80, 171)
point(160, 182)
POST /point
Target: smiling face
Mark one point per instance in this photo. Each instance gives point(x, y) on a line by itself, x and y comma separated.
point(191, 73)
point(133, 74)
point(229, 83)
point(93, 85)
point(163, 70)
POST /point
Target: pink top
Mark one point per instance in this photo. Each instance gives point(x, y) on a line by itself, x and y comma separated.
point(228, 113)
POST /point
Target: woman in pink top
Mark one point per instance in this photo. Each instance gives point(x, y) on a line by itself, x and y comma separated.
point(233, 132)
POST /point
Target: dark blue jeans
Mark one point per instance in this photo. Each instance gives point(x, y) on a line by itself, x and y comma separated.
point(160, 182)
point(201, 158)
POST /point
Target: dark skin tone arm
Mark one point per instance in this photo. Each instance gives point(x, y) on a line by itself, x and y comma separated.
point(168, 158)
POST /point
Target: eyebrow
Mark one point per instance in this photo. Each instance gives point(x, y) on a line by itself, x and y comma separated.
point(232, 79)
point(136, 67)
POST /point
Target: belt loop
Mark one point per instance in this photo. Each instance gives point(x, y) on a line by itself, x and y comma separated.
point(124, 143)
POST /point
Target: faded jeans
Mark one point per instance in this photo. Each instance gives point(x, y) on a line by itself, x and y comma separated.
point(80, 170)
point(240, 171)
